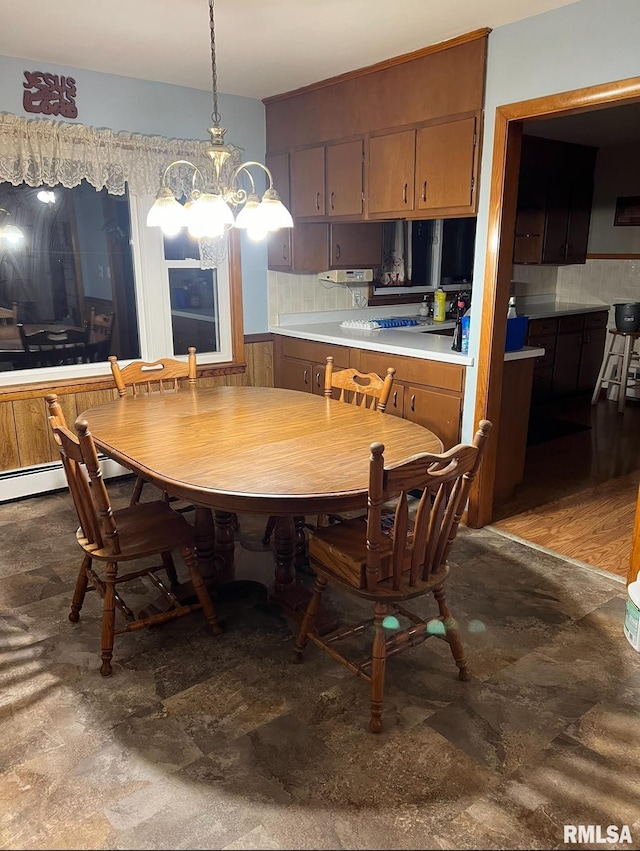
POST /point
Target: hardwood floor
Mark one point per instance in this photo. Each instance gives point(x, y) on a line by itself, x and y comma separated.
point(579, 492)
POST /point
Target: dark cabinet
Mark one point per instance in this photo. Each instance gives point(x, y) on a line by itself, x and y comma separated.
point(555, 192)
point(355, 245)
point(307, 182)
point(573, 346)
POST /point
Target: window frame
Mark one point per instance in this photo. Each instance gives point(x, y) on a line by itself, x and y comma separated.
point(154, 314)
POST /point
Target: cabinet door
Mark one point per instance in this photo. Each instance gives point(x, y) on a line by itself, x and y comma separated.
point(295, 374)
point(444, 164)
point(307, 182)
point(356, 246)
point(555, 233)
point(279, 242)
point(345, 189)
point(436, 411)
point(391, 175)
point(309, 247)
point(567, 363)
point(591, 357)
point(395, 405)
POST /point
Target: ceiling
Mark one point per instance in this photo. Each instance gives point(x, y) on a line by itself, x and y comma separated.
point(607, 127)
point(263, 47)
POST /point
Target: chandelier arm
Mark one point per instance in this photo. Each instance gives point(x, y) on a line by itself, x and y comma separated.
point(236, 172)
point(196, 171)
point(243, 167)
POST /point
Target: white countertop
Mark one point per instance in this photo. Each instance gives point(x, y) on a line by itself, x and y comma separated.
point(411, 341)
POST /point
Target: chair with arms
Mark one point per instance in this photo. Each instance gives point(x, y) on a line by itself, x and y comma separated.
point(161, 376)
point(392, 558)
point(366, 390)
point(112, 537)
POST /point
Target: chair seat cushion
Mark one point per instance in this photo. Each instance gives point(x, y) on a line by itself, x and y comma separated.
point(342, 549)
point(144, 529)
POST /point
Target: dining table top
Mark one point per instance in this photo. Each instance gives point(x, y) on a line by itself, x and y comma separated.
point(259, 449)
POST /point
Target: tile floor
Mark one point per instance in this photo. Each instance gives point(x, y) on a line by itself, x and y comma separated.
point(198, 742)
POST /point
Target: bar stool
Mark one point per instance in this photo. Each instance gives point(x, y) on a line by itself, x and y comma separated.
point(621, 360)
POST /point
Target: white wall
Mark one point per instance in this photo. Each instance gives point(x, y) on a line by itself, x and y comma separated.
point(583, 44)
point(617, 175)
point(141, 106)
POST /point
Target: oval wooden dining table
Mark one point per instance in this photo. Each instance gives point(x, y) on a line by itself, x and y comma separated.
point(257, 450)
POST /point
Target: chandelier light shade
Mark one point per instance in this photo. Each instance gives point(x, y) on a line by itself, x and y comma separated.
point(10, 235)
point(218, 199)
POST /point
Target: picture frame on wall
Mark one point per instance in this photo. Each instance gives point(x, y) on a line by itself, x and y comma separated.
point(627, 211)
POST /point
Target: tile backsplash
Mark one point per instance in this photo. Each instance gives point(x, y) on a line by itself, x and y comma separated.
point(305, 293)
point(594, 282)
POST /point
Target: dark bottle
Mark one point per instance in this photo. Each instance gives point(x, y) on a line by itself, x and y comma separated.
point(456, 344)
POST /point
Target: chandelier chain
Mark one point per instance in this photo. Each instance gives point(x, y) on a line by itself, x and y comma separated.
point(215, 115)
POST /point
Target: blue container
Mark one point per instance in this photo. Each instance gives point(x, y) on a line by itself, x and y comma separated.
point(465, 335)
point(516, 333)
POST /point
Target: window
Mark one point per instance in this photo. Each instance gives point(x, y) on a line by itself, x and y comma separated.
point(87, 261)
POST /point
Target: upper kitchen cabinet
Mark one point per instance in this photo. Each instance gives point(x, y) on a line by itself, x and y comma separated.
point(411, 121)
point(555, 192)
point(279, 242)
point(392, 158)
point(327, 180)
point(445, 165)
point(423, 172)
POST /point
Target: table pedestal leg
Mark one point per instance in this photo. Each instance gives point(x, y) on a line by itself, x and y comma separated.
point(224, 546)
point(290, 594)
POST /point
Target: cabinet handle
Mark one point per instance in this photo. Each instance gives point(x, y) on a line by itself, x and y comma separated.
point(413, 403)
point(284, 251)
point(424, 191)
point(337, 250)
point(404, 193)
point(317, 200)
point(305, 376)
point(318, 378)
point(395, 399)
point(332, 197)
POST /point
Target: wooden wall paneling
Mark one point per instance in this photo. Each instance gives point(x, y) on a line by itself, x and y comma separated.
point(9, 455)
point(93, 398)
point(32, 431)
point(260, 364)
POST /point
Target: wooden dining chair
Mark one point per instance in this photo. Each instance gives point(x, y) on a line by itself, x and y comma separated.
point(100, 334)
point(366, 390)
point(166, 375)
point(54, 347)
point(129, 534)
point(391, 558)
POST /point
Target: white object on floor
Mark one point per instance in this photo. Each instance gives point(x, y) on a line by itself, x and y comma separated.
point(632, 615)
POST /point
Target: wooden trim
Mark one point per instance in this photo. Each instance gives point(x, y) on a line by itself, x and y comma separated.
point(235, 288)
point(613, 256)
point(381, 66)
point(500, 231)
point(258, 338)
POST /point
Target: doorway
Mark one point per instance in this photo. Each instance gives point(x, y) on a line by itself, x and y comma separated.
point(592, 466)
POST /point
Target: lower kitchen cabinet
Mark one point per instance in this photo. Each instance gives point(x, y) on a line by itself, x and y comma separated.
point(426, 392)
point(574, 346)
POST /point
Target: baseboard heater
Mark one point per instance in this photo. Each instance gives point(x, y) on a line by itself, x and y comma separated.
point(43, 478)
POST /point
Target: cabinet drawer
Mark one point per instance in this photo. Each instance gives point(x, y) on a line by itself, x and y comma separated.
point(569, 324)
point(596, 320)
point(538, 327)
point(546, 342)
point(447, 376)
point(310, 350)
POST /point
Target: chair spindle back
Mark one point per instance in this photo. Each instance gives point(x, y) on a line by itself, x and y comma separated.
point(420, 548)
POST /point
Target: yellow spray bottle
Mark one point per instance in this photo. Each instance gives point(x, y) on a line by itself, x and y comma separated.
point(440, 305)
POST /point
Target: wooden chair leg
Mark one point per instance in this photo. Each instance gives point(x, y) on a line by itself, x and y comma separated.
point(309, 617)
point(108, 618)
point(170, 567)
point(80, 590)
point(452, 634)
point(137, 491)
point(624, 375)
point(378, 665)
point(603, 369)
point(191, 560)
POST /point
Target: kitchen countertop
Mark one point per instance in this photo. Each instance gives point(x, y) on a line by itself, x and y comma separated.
point(550, 309)
point(411, 341)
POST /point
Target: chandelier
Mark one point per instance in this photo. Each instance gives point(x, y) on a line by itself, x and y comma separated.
point(218, 200)
point(10, 235)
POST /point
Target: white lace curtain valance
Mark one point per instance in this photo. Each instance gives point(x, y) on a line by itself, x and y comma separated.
point(41, 151)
